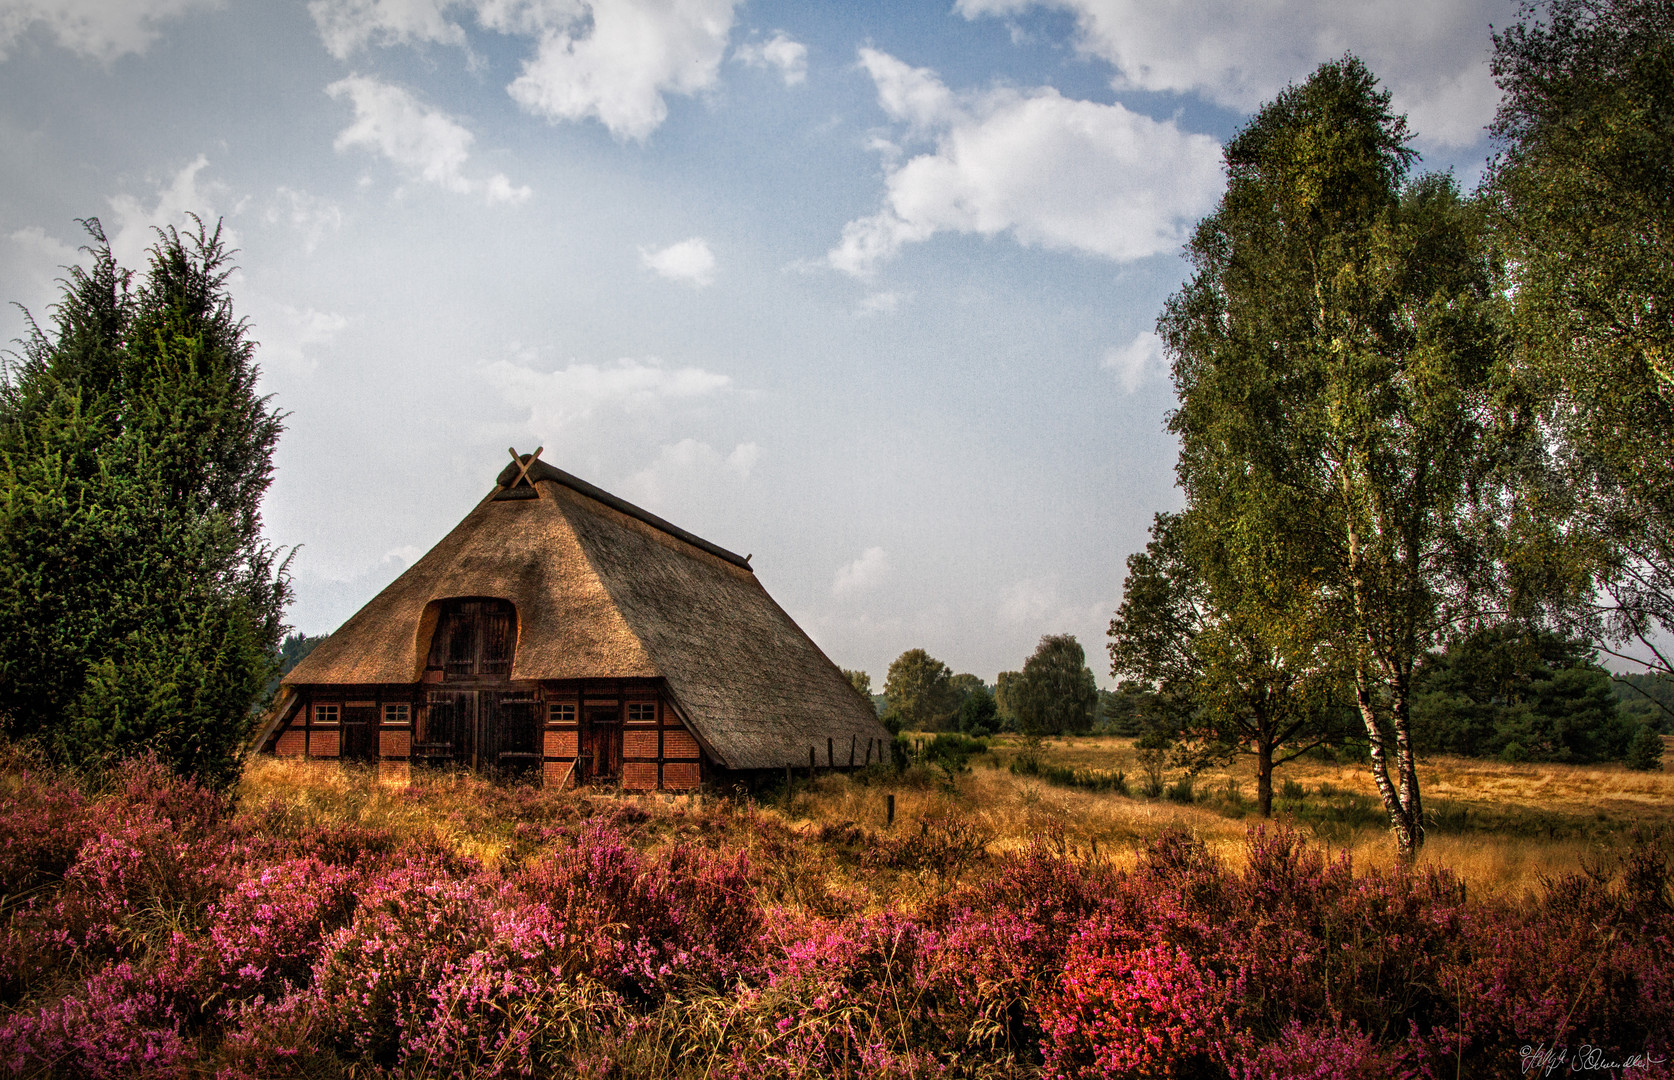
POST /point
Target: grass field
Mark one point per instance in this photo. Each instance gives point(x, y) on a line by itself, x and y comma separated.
point(1501, 827)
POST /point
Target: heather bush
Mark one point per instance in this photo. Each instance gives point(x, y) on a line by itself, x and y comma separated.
point(689, 916)
point(158, 932)
point(266, 933)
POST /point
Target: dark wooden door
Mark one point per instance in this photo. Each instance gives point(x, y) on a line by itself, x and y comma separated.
point(601, 745)
point(450, 729)
point(474, 639)
point(360, 733)
point(508, 732)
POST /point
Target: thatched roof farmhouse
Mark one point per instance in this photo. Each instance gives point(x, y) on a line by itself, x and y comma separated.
point(563, 631)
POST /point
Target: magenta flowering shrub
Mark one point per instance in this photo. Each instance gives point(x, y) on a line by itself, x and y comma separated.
point(690, 915)
point(1127, 1009)
point(267, 931)
point(149, 929)
point(375, 978)
point(43, 821)
point(121, 1020)
point(1316, 1053)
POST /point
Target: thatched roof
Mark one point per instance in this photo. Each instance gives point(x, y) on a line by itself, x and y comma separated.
point(605, 589)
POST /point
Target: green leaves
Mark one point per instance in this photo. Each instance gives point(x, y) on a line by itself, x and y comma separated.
point(1343, 425)
point(1055, 694)
point(139, 607)
point(1583, 205)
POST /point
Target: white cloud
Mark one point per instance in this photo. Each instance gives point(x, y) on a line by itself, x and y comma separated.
point(743, 458)
point(689, 261)
point(616, 59)
point(1050, 171)
point(862, 573)
point(310, 216)
point(1432, 54)
point(34, 262)
point(687, 470)
point(98, 29)
point(421, 141)
point(879, 303)
point(133, 227)
point(611, 60)
point(558, 399)
point(289, 337)
point(1037, 605)
point(1137, 361)
point(347, 26)
point(915, 96)
point(778, 51)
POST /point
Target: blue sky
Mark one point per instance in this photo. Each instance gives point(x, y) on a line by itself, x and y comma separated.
point(865, 290)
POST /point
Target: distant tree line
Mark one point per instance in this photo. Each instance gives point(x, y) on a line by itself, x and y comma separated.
point(1054, 694)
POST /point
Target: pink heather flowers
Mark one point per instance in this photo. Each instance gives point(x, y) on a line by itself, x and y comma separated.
point(152, 929)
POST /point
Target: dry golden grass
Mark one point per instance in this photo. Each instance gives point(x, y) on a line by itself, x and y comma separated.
point(1502, 827)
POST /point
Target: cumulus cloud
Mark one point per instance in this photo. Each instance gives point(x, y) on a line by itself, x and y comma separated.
point(557, 399)
point(1050, 171)
point(864, 572)
point(778, 51)
point(290, 337)
point(33, 262)
point(309, 216)
point(347, 26)
point(690, 262)
point(690, 468)
point(610, 60)
point(97, 29)
point(1137, 361)
point(133, 224)
point(878, 303)
point(1432, 54)
point(1038, 605)
point(617, 60)
point(423, 142)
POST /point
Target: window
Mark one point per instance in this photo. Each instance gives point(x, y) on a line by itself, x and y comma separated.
point(642, 712)
point(560, 714)
point(326, 715)
point(398, 715)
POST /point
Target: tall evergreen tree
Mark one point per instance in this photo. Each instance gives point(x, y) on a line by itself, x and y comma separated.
point(1337, 363)
point(140, 609)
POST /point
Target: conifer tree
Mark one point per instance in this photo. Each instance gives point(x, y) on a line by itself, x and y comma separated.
point(140, 608)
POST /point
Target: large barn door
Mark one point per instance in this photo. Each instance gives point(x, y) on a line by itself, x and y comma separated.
point(509, 732)
point(474, 639)
point(450, 729)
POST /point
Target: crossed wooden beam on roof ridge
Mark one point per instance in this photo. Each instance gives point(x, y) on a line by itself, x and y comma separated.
point(523, 467)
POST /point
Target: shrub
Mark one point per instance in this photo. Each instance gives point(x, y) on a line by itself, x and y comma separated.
point(1644, 751)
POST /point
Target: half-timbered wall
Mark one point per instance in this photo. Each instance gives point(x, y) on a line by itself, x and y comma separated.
point(623, 732)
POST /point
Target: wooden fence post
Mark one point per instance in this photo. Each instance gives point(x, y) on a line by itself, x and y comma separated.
point(889, 813)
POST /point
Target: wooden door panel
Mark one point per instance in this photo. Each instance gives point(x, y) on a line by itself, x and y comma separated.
point(360, 733)
point(602, 738)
